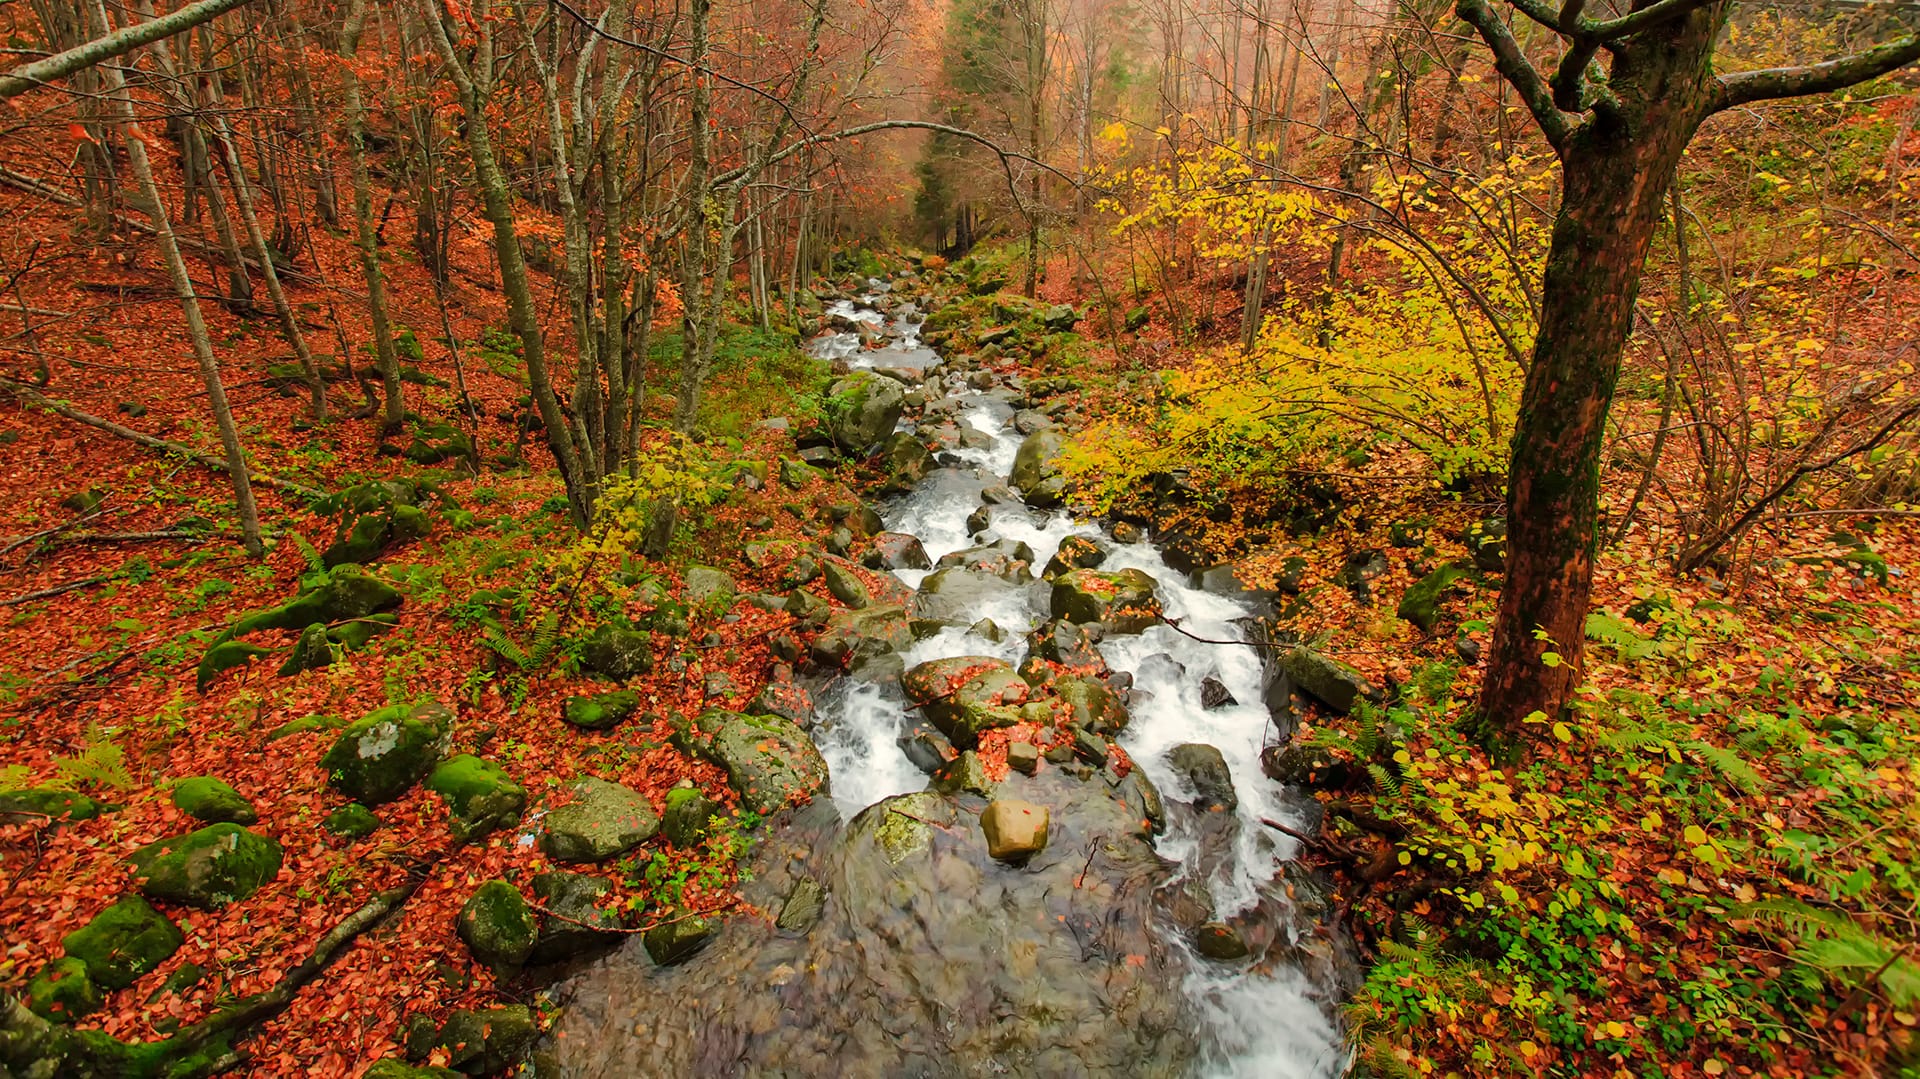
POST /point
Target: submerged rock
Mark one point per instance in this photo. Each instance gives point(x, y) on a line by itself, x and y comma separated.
point(1206, 774)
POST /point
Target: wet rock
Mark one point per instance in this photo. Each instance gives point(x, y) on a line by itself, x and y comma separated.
point(686, 818)
point(880, 670)
point(62, 992)
point(965, 695)
point(604, 820)
point(1029, 420)
point(1079, 551)
point(1305, 764)
point(862, 409)
point(123, 942)
point(1091, 705)
point(966, 773)
point(845, 585)
point(708, 589)
point(1421, 602)
point(497, 925)
point(784, 697)
point(897, 550)
point(1123, 602)
point(850, 636)
point(1487, 543)
point(1206, 774)
point(481, 797)
point(1010, 560)
point(987, 630)
point(998, 494)
point(905, 462)
point(353, 820)
point(1161, 667)
point(926, 747)
point(954, 594)
point(576, 923)
point(217, 865)
point(618, 653)
point(211, 801)
point(480, 1042)
point(1330, 681)
point(1090, 747)
point(769, 761)
point(1126, 532)
point(376, 759)
point(679, 938)
point(979, 521)
point(1015, 830)
point(1034, 471)
point(1214, 694)
point(1220, 941)
point(1069, 644)
point(803, 906)
point(1023, 757)
point(600, 711)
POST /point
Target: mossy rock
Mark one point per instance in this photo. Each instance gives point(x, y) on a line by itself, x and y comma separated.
point(1421, 603)
point(356, 633)
point(374, 518)
point(578, 923)
point(63, 992)
point(315, 722)
point(862, 409)
point(498, 925)
point(771, 762)
point(618, 653)
point(605, 820)
point(123, 942)
point(345, 592)
point(352, 820)
point(484, 1041)
point(311, 652)
point(1125, 602)
point(1330, 681)
point(708, 589)
point(601, 711)
point(37, 803)
point(481, 797)
point(434, 443)
point(209, 868)
point(397, 1069)
point(797, 474)
point(225, 656)
point(212, 801)
point(687, 816)
point(679, 938)
point(378, 758)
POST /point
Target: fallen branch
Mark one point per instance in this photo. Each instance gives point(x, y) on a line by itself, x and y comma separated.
point(209, 460)
point(48, 532)
point(57, 590)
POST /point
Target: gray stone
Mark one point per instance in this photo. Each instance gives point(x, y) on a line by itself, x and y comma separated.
point(1206, 774)
point(604, 820)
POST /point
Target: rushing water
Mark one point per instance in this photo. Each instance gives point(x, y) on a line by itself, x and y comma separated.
point(1271, 1025)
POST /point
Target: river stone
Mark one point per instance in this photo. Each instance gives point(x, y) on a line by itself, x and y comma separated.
point(123, 942)
point(1091, 705)
point(957, 593)
point(862, 409)
point(687, 816)
point(771, 762)
point(965, 773)
point(1023, 757)
point(965, 695)
point(575, 922)
point(979, 521)
point(1123, 602)
point(604, 819)
point(905, 461)
point(925, 747)
point(618, 653)
point(1015, 830)
point(377, 758)
point(1070, 645)
point(481, 1042)
point(677, 939)
point(845, 585)
point(35, 804)
point(1206, 773)
point(62, 992)
point(1215, 694)
point(897, 550)
point(708, 589)
point(1218, 940)
point(352, 820)
point(1009, 560)
point(802, 907)
point(497, 925)
point(601, 711)
point(1077, 552)
point(481, 797)
point(1330, 681)
point(1035, 472)
point(784, 697)
point(859, 634)
point(211, 801)
point(217, 865)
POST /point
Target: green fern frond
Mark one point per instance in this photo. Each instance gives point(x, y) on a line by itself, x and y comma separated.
point(99, 763)
point(310, 553)
point(545, 637)
point(1384, 781)
point(494, 636)
point(1731, 765)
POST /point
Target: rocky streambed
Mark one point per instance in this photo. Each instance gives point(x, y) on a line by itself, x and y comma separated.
point(1043, 852)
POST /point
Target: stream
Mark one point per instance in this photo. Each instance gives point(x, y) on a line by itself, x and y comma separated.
point(993, 954)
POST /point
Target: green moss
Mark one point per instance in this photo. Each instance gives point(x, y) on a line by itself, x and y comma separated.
point(480, 795)
point(211, 801)
point(377, 758)
point(62, 992)
point(498, 925)
point(217, 865)
point(36, 803)
point(352, 820)
point(123, 942)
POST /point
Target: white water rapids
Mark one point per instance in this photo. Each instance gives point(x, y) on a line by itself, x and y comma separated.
point(1270, 1026)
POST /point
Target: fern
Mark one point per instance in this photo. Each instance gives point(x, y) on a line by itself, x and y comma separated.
point(1835, 946)
point(495, 636)
point(14, 776)
point(545, 638)
point(310, 552)
point(1731, 765)
point(99, 763)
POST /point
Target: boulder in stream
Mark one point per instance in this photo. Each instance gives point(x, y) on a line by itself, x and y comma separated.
point(1123, 602)
point(862, 409)
point(965, 695)
point(1034, 471)
point(897, 550)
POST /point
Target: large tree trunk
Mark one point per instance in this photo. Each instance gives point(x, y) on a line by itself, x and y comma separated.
point(1616, 184)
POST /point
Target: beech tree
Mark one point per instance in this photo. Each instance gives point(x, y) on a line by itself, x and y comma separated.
point(1620, 127)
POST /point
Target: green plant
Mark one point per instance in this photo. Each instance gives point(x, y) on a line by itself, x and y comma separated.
point(100, 764)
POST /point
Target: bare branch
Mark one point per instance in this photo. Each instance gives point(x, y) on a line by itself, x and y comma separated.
point(1652, 15)
point(1514, 67)
point(122, 41)
point(1777, 82)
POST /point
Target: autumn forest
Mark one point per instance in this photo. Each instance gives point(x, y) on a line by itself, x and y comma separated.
point(868, 538)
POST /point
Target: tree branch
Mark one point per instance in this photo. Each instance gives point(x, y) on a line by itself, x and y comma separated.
point(886, 125)
point(1513, 66)
point(1632, 22)
point(1778, 82)
point(122, 41)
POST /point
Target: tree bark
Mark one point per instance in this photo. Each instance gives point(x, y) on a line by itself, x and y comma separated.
point(365, 235)
point(106, 47)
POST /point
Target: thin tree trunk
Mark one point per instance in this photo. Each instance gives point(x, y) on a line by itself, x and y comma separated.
point(367, 239)
point(189, 303)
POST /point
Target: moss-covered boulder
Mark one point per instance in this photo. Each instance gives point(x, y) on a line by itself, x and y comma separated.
point(904, 462)
point(1329, 681)
point(311, 652)
point(376, 759)
point(618, 653)
point(353, 820)
point(687, 817)
point(862, 409)
point(575, 921)
point(36, 804)
point(604, 820)
point(481, 797)
point(1421, 603)
point(217, 865)
point(1034, 471)
point(1091, 705)
point(484, 1041)
point(123, 942)
point(373, 518)
point(345, 592)
point(212, 801)
point(678, 938)
point(1079, 551)
point(855, 635)
point(1123, 602)
point(600, 711)
point(797, 474)
point(966, 695)
point(63, 992)
point(224, 656)
point(498, 925)
point(708, 589)
point(771, 762)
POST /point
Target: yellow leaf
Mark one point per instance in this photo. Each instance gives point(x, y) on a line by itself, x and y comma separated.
point(1561, 732)
point(1694, 835)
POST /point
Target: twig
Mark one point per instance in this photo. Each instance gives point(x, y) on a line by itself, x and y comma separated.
point(57, 590)
point(55, 530)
